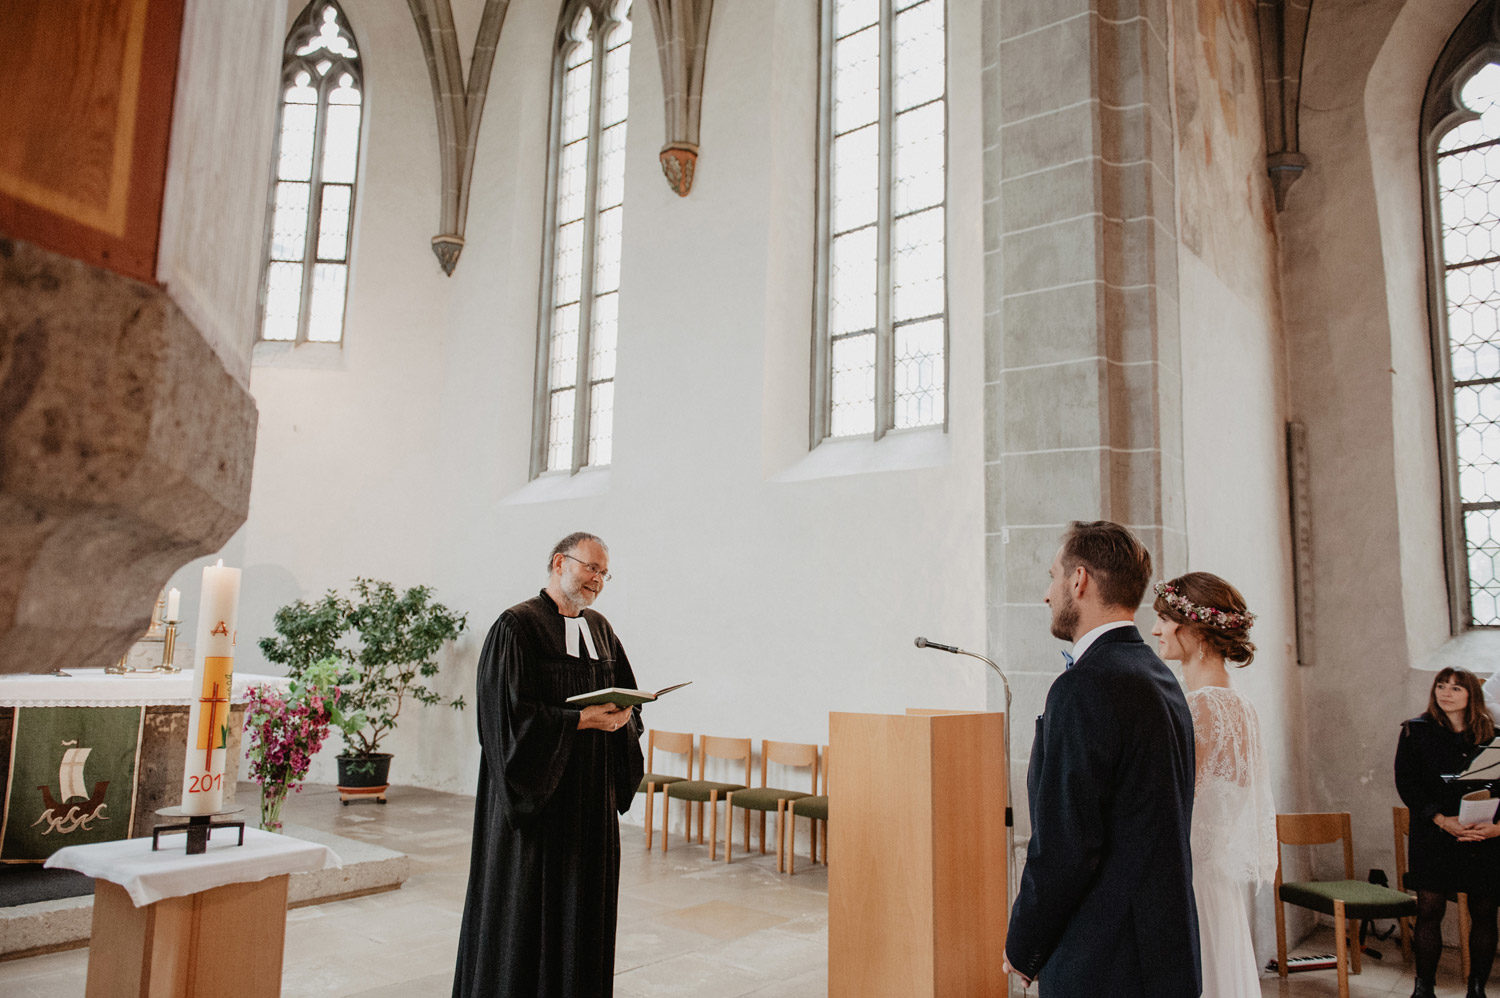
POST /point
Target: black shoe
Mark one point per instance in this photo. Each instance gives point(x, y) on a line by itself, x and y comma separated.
point(1423, 990)
point(1476, 988)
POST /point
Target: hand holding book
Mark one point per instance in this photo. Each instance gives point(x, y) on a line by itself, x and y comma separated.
point(621, 697)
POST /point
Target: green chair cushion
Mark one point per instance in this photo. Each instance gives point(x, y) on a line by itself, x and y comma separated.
point(811, 807)
point(659, 780)
point(700, 790)
point(1361, 899)
point(763, 798)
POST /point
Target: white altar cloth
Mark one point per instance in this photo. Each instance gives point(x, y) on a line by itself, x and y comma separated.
point(97, 688)
point(170, 872)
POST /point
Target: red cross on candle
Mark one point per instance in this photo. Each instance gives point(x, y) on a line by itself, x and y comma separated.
point(213, 712)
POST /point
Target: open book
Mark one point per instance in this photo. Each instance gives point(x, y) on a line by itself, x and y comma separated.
point(621, 698)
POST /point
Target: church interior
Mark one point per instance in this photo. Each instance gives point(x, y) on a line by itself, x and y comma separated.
point(842, 309)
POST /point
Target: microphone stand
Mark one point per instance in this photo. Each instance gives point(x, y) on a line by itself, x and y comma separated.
point(1010, 824)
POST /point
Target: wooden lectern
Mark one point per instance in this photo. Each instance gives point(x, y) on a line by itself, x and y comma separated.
point(917, 878)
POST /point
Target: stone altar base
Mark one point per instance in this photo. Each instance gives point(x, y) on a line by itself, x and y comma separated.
point(48, 926)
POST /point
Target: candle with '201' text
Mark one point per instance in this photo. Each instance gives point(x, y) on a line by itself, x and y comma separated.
point(213, 677)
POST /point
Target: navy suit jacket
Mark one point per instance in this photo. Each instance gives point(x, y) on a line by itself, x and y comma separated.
point(1105, 906)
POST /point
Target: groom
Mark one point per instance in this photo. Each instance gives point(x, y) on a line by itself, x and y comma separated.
point(1105, 908)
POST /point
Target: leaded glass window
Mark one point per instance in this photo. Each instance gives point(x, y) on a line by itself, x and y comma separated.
point(882, 319)
point(1467, 171)
point(581, 283)
point(316, 169)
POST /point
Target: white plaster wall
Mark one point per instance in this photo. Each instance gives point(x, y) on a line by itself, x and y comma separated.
point(1393, 101)
point(1234, 446)
point(783, 585)
point(1234, 397)
point(345, 479)
point(1353, 279)
point(1234, 408)
point(218, 169)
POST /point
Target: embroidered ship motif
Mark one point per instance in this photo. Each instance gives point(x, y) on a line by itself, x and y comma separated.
point(66, 817)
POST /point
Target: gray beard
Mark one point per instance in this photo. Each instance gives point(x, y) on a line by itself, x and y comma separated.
point(578, 599)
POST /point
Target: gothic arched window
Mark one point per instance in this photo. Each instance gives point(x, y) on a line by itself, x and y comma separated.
point(881, 315)
point(574, 418)
point(316, 167)
point(1461, 129)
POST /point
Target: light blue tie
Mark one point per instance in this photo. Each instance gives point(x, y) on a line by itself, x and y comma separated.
point(1067, 659)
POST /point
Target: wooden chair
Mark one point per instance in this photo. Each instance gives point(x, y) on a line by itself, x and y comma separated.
point(1347, 900)
point(815, 809)
point(1401, 821)
point(767, 798)
point(672, 743)
point(702, 791)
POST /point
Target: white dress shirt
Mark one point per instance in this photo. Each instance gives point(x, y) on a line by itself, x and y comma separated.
point(1082, 644)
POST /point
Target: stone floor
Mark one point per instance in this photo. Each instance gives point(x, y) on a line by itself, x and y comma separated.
point(1378, 979)
point(688, 926)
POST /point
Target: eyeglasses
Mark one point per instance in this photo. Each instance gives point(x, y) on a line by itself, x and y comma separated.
point(595, 569)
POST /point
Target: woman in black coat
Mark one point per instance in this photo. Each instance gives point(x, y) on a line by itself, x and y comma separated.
point(1444, 856)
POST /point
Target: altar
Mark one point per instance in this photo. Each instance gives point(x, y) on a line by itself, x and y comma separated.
point(91, 756)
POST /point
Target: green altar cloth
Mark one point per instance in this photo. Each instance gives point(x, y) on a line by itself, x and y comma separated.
point(72, 779)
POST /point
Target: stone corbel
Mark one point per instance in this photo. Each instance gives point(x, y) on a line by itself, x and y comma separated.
point(682, 43)
point(1283, 37)
point(447, 248)
point(459, 109)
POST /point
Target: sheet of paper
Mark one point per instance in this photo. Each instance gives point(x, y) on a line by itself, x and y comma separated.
point(1477, 807)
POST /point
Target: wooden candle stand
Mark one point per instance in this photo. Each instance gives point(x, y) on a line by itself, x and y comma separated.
point(172, 926)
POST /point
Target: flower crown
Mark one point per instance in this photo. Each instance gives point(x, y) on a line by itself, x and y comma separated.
point(1203, 614)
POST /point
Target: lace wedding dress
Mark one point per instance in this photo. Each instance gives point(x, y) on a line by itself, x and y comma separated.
point(1233, 836)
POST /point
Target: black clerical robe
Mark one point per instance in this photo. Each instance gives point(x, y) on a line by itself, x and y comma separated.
point(544, 873)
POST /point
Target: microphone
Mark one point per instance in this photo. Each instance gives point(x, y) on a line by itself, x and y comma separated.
point(922, 642)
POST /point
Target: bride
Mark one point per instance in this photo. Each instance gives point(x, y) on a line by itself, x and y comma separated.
point(1202, 622)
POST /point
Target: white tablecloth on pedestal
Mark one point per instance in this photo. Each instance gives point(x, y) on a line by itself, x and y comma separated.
point(97, 688)
point(169, 872)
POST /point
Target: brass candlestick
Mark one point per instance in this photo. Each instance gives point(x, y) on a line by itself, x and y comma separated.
point(168, 648)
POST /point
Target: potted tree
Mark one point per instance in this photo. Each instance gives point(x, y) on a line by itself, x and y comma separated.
point(386, 643)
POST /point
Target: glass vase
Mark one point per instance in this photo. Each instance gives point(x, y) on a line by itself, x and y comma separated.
point(271, 799)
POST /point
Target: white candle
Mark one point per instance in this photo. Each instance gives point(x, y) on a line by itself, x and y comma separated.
point(174, 603)
point(213, 675)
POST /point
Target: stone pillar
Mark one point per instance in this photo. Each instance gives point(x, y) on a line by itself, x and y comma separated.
point(1082, 365)
point(125, 452)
